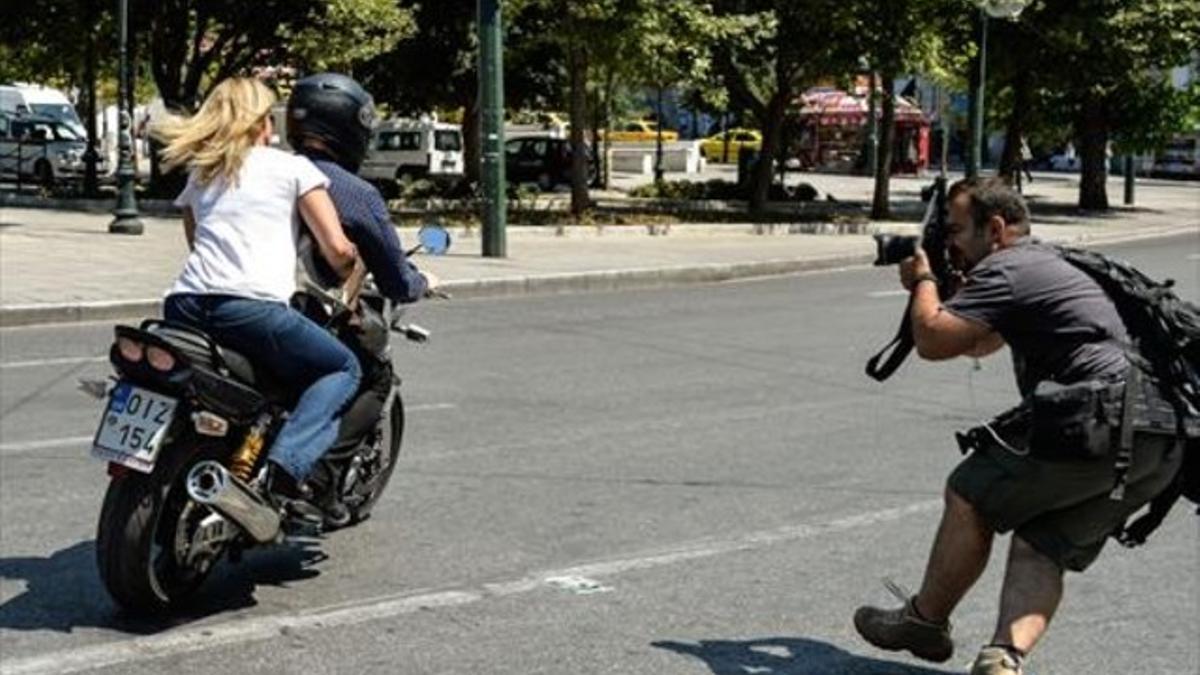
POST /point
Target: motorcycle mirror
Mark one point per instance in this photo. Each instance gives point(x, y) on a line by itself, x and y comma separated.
point(434, 238)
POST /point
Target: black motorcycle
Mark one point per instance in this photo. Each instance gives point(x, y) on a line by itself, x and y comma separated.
point(184, 435)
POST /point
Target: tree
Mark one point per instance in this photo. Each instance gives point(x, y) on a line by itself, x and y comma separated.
point(195, 43)
point(894, 37)
point(437, 67)
point(672, 48)
point(768, 51)
point(1101, 65)
point(350, 32)
point(572, 27)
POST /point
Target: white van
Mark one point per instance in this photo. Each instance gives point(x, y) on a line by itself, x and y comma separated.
point(43, 149)
point(31, 99)
point(415, 149)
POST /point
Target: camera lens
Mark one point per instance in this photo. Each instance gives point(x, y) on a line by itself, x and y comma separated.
point(892, 249)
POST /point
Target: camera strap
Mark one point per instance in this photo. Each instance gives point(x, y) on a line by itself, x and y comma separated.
point(894, 353)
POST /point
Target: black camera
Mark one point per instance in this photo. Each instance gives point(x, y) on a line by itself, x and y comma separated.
point(892, 249)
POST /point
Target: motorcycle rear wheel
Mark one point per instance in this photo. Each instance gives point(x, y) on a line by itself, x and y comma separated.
point(138, 529)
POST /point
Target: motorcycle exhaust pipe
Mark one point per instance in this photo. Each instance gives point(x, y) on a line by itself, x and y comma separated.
point(211, 484)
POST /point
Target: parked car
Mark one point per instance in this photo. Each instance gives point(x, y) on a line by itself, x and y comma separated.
point(414, 149)
point(1180, 158)
point(712, 148)
point(640, 131)
point(543, 160)
point(29, 99)
point(43, 149)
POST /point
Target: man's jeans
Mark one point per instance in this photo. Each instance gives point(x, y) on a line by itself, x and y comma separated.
point(293, 349)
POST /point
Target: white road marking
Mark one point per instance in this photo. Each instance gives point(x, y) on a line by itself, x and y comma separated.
point(887, 294)
point(15, 448)
point(66, 361)
point(1194, 256)
point(426, 407)
point(239, 631)
point(578, 585)
point(49, 443)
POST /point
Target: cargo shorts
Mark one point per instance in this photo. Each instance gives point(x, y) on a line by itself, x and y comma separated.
point(1062, 508)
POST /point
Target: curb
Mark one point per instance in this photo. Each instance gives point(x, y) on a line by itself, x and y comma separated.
point(548, 284)
point(151, 208)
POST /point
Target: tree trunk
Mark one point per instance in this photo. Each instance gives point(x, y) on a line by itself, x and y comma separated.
point(1093, 146)
point(579, 187)
point(472, 138)
point(881, 207)
point(658, 139)
point(597, 157)
point(610, 89)
point(764, 172)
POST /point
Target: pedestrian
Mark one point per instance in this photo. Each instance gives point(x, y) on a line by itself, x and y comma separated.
point(1026, 159)
point(1055, 497)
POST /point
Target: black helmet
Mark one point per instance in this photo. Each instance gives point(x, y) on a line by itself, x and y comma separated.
point(335, 109)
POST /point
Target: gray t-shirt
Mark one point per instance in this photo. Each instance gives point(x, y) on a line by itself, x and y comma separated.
point(1058, 321)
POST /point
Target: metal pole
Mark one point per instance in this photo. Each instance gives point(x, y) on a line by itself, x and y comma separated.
point(976, 158)
point(491, 109)
point(1129, 180)
point(126, 220)
point(90, 156)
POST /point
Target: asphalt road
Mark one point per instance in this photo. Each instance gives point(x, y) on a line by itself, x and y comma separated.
point(687, 481)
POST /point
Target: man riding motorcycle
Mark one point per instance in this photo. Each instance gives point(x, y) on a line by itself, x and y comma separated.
point(330, 118)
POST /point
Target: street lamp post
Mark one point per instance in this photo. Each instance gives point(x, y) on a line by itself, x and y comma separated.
point(126, 219)
point(491, 109)
point(996, 9)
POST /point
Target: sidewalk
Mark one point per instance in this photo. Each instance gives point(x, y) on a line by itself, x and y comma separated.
point(60, 266)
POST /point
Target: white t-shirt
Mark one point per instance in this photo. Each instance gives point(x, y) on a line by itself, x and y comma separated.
point(246, 234)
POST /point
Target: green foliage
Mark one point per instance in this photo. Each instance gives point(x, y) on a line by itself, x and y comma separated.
point(350, 32)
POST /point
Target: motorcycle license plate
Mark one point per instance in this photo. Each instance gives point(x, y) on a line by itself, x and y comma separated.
point(133, 427)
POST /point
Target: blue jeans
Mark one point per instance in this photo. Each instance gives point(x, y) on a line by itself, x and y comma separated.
point(294, 350)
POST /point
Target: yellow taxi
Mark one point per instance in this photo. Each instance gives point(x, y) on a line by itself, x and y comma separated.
point(712, 148)
point(640, 131)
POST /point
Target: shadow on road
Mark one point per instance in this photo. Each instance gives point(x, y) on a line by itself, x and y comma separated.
point(64, 591)
point(788, 656)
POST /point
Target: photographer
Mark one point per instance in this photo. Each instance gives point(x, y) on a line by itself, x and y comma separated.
point(1058, 501)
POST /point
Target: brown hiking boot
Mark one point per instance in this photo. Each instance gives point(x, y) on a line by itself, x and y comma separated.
point(996, 661)
point(902, 628)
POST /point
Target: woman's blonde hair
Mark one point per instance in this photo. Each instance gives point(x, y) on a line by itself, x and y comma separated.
point(215, 140)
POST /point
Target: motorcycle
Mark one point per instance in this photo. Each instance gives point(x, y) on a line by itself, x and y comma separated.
point(184, 433)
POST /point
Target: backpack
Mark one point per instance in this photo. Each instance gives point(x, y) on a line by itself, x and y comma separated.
point(1165, 335)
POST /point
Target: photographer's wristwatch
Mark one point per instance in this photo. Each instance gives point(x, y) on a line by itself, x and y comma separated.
point(927, 276)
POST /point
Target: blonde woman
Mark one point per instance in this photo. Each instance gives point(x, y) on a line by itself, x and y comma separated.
point(242, 212)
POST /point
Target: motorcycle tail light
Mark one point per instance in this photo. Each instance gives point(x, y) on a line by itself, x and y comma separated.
point(160, 359)
point(209, 424)
point(131, 350)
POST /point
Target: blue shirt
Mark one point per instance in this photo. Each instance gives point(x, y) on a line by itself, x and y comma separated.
point(365, 218)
